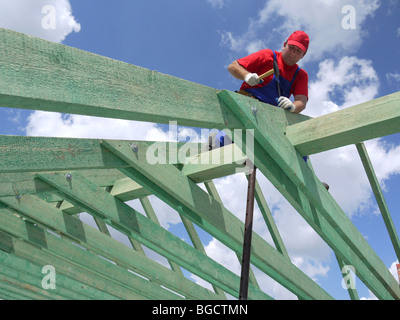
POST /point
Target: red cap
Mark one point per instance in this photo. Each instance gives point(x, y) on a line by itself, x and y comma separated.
point(299, 39)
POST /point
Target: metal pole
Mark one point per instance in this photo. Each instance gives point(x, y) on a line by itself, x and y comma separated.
point(244, 280)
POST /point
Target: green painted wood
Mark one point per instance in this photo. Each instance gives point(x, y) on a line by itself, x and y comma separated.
point(369, 120)
point(12, 292)
point(285, 168)
point(214, 164)
point(194, 237)
point(212, 191)
point(24, 267)
point(23, 278)
point(74, 255)
point(148, 209)
point(352, 292)
point(37, 154)
point(126, 220)
point(18, 154)
point(35, 209)
point(74, 274)
point(269, 221)
point(174, 188)
point(42, 75)
point(22, 155)
point(380, 199)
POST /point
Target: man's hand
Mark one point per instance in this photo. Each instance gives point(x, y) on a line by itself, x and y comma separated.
point(252, 79)
point(285, 103)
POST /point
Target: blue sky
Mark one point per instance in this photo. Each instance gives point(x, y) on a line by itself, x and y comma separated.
point(196, 41)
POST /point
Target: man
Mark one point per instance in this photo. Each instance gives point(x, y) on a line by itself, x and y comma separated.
point(277, 88)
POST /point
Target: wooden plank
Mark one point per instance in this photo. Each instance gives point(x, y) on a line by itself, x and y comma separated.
point(269, 221)
point(35, 209)
point(25, 279)
point(212, 191)
point(181, 193)
point(380, 199)
point(352, 291)
point(148, 209)
point(36, 154)
point(214, 164)
point(76, 277)
point(285, 168)
point(369, 120)
point(125, 219)
point(75, 256)
point(42, 75)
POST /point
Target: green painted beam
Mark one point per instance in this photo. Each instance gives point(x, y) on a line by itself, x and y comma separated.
point(270, 222)
point(42, 75)
point(77, 282)
point(148, 209)
point(380, 199)
point(352, 291)
point(212, 191)
point(75, 256)
point(285, 168)
point(369, 120)
point(125, 219)
point(214, 164)
point(36, 154)
point(38, 211)
point(25, 278)
point(181, 193)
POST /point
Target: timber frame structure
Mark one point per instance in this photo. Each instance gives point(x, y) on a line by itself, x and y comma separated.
point(45, 182)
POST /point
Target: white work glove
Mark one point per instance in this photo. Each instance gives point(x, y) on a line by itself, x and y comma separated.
point(252, 79)
point(286, 104)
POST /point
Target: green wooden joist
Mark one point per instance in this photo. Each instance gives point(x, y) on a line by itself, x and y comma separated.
point(38, 203)
point(284, 167)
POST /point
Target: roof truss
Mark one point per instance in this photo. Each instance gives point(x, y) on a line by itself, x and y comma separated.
point(46, 182)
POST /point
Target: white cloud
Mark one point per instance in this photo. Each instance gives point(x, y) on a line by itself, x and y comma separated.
point(392, 77)
point(52, 124)
point(219, 4)
point(393, 270)
point(26, 16)
point(398, 32)
point(341, 84)
point(321, 19)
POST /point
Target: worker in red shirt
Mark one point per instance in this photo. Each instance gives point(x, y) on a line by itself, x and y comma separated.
point(277, 88)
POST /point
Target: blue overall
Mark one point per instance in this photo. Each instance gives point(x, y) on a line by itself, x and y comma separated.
point(269, 92)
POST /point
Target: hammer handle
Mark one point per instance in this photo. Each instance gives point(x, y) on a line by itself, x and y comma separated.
point(268, 73)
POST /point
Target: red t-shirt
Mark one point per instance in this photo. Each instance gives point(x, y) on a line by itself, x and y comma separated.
point(263, 61)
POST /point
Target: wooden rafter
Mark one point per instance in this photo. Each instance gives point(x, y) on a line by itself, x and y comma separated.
point(39, 203)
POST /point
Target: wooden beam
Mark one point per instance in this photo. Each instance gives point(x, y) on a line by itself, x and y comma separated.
point(36, 210)
point(125, 219)
point(41, 75)
point(285, 168)
point(38, 154)
point(369, 120)
point(181, 193)
point(76, 258)
point(80, 280)
point(380, 199)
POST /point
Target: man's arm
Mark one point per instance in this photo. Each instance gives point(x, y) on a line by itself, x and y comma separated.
point(241, 73)
point(237, 71)
point(300, 102)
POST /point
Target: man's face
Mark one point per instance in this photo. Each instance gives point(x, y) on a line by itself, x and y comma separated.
point(291, 54)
